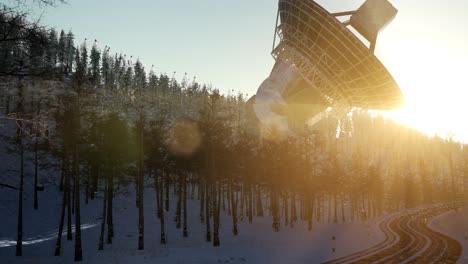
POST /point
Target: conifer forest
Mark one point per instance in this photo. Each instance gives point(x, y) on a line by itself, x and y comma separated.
point(92, 126)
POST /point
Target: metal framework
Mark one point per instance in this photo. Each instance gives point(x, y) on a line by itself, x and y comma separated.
point(332, 59)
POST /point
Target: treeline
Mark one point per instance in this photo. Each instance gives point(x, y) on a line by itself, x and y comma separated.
point(113, 125)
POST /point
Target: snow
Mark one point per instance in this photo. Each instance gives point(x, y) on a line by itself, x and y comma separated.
point(256, 242)
point(454, 223)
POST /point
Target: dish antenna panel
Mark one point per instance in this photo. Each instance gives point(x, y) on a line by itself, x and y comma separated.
point(320, 64)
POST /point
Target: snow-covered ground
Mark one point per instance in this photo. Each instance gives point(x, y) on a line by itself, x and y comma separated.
point(455, 224)
point(256, 242)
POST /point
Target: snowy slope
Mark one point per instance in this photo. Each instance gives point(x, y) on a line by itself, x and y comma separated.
point(454, 224)
point(256, 242)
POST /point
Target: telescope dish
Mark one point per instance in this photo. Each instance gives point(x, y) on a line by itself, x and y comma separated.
point(333, 60)
point(321, 65)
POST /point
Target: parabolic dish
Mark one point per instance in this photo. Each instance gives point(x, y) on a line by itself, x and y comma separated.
point(333, 60)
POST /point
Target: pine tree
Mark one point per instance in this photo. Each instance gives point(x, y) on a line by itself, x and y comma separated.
point(69, 52)
point(95, 70)
point(61, 51)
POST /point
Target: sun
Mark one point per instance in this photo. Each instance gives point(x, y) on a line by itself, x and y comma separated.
point(433, 81)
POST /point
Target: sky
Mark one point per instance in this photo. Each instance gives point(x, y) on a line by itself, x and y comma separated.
point(228, 44)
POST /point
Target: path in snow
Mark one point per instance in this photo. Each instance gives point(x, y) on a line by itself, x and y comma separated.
point(9, 242)
point(410, 240)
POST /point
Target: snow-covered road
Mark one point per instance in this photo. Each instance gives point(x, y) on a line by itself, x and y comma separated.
point(410, 240)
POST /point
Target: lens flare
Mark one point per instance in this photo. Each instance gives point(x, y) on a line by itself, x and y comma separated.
point(184, 138)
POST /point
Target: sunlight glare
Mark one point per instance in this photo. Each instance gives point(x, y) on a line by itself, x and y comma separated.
point(432, 81)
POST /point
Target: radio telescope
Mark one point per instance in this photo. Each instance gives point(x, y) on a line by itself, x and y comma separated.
point(321, 64)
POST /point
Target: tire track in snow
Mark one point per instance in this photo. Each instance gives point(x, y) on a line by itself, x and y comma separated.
point(408, 239)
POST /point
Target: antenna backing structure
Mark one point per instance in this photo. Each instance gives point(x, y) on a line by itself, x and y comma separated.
point(334, 63)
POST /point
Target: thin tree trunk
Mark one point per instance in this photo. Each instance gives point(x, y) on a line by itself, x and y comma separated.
point(94, 179)
point(62, 173)
point(192, 184)
point(274, 210)
point(19, 240)
point(201, 193)
point(223, 196)
point(293, 209)
point(36, 202)
point(229, 193)
point(242, 202)
point(141, 220)
point(286, 209)
point(207, 213)
point(156, 190)
point(58, 244)
point(110, 206)
point(76, 169)
point(343, 217)
point(179, 203)
point(103, 224)
point(68, 191)
point(335, 206)
point(185, 228)
point(87, 187)
point(310, 211)
point(234, 211)
point(216, 212)
point(161, 210)
point(250, 199)
point(73, 194)
point(167, 192)
point(259, 203)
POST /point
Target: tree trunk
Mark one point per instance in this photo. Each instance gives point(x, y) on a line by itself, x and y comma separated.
point(335, 203)
point(141, 220)
point(58, 244)
point(76, 169)
point(110, 206)
point(179, 203)
point(19, 240)
point(36, 202)
point(68, 191)
point(343, 217)
point(201, 189)
point(167, 192)
point(207, 213)
point(94, 179)
point(185, 230)
point(310, 211)
point(293, 209)
point(87, 186)
point(156, 190)
point(250, 199)
point(242, 202)
point(62, 172)
point(103, 224)
point(229, 192)
point(259, 203)
point(73, 194)
point(192, 185)
point(274, 210)
point(233, 210)
point(286, 209)
point(216, 212)
point(161, 210)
